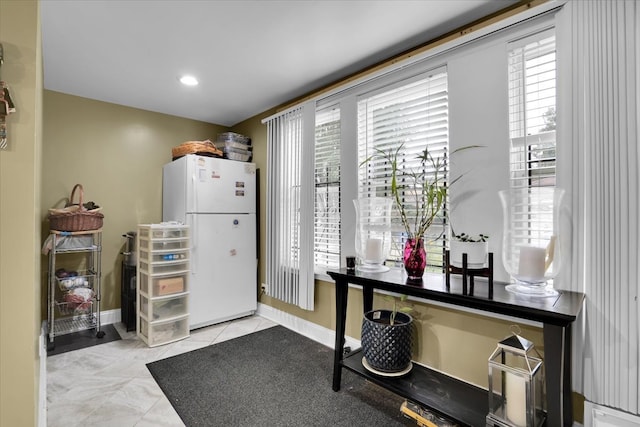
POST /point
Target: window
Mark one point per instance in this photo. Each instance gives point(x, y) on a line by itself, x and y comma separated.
point(532, 111)
point(327, 190)
point(445, 100)
point(532, 127)
point(412, 115)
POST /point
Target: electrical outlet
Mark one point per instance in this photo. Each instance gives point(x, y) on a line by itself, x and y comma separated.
point(265, 289)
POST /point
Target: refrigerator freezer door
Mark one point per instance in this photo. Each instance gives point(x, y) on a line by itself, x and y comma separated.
point(223, 283)
point(196, 184)
point(221, 186)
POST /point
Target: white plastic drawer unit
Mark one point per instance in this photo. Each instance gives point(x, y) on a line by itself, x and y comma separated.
point(164, 245)
point(164, 255)
point(158, 333)
point(161, 285)
point(163, 308)
point(161, 232)
point(165, 267)
point(163, 288)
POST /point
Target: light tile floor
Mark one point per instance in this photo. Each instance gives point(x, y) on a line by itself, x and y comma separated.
point(109, 384)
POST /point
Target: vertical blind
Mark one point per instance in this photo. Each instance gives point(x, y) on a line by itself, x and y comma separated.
point(327, 189)
point(604, 42)
point(289, 270)
point(413, 115)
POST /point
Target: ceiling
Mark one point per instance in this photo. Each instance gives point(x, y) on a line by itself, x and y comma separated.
point(248, 55)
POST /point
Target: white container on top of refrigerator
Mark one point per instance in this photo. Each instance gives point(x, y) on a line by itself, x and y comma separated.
point(217, 199)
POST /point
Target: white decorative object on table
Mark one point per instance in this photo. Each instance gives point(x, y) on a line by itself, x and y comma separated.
point(373, 251)
point(531, 264)
point(516, 399)
point(476, 253)
point(532, 239)
point(373, 233)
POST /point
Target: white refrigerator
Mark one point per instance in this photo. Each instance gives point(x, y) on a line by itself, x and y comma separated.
point(217, 199)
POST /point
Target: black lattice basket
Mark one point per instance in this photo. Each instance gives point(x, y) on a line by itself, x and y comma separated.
point(387, 348)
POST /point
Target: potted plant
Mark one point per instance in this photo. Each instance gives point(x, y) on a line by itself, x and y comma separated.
point(476, 248)
point(387, 339)
point(419, 195)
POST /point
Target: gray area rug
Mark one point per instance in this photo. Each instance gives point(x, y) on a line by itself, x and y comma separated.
point(273, 377)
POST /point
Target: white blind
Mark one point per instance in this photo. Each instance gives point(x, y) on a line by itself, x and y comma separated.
point(604, 182)
point(413, 115)
point(289, 268)
point(327, 190)
point(532, 110)
point(532, 128)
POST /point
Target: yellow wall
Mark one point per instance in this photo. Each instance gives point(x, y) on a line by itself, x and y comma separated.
point(20, 166)
point(117, 154)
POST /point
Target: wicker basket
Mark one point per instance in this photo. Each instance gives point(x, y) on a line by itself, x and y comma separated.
point(202, 148)
point(75, 217)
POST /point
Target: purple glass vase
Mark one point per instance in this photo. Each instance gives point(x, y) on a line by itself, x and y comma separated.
point(415, 258)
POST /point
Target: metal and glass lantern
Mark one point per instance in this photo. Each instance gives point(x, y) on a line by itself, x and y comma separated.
point(516, 385)
point(373, 233)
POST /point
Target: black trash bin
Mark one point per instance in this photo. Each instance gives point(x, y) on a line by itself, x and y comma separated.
point(128, 282)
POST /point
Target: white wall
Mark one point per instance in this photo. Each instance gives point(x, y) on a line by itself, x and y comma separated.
point(478, 113)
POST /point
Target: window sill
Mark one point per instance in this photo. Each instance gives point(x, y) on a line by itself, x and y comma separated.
point(324, 277)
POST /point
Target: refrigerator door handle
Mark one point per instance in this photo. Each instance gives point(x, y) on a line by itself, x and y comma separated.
point(194, 192)
point(194, 244)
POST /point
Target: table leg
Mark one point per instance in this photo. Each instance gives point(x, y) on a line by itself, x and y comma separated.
point(367, 298)
point(341, 314)
point(490, 295)
point(557, 360)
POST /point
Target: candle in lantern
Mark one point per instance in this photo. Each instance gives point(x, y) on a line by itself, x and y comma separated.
point(516, 398)
point(531, 265)
point(373, 250)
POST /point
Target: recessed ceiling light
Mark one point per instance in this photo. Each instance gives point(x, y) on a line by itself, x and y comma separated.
point(188, 81)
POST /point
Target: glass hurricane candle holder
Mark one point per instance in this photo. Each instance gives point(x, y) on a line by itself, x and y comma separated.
point(532, 238)
point(373, 233)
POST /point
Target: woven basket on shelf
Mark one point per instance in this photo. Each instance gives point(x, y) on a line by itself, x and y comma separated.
point(75, 217)
point(202, 148)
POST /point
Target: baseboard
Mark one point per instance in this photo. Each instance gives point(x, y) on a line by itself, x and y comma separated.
point(109, 317)
point(602, 416)
point(42, 387)
point(310, 330)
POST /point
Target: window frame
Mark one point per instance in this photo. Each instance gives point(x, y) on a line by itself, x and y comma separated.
point(325, 250)
point(397, 73)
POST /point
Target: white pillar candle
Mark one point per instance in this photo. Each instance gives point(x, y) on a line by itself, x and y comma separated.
point(531, 265)
point(516, 398)
point(373, 250)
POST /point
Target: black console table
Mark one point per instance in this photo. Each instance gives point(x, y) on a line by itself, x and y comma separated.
point(457, 400)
